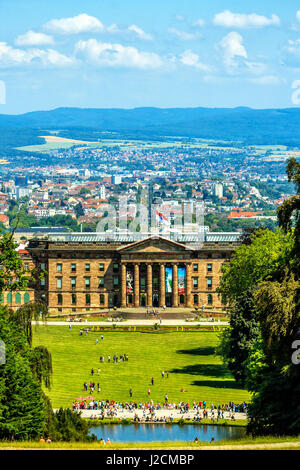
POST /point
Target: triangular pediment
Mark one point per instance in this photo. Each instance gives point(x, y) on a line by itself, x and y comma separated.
point(154, 245)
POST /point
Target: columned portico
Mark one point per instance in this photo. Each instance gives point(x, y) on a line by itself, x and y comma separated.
point(157, 273)
point(136, 285)
point(175, 285)
point(189, 285)
point(149, 285)
point(162, 300)
point(123, 285)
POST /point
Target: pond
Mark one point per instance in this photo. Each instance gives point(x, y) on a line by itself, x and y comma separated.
point(150, 432)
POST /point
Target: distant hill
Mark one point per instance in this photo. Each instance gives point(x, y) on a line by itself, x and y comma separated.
point(252, 126)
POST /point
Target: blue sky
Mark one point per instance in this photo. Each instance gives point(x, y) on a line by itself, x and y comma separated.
point(132, 53)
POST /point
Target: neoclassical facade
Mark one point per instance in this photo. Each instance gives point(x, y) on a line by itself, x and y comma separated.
point(85, 272)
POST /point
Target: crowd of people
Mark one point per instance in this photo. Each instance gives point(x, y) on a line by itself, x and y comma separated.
point(200, 409)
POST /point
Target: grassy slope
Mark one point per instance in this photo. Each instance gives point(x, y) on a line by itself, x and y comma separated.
point(288, 443)
point(188, 357)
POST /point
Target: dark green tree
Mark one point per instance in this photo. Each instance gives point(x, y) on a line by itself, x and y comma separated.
point(238, 341)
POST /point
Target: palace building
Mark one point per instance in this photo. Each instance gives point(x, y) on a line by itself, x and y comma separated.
point(93, 271)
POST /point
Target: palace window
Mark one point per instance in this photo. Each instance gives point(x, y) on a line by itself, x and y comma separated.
point(143, 283)
point(59, 299)
point(88, 299)
point(102, 299)
point(27, 297)
point(87, 267)
point(116, 281)
point(73, 282)
point(87, 282)
point(195, 282)
point(209, 282)
point(59, 282)
point(210, 299)
point(101, 267)
point(18, 298)
point(59, 267)
point(195, 267)
point(74, 299)
point(115, 267)
point(196, 299)
point(73, 268)
point(43, 282)
point(101, 282)
point(209, 268)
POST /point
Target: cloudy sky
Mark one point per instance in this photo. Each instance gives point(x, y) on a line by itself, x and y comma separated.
point(165, 53)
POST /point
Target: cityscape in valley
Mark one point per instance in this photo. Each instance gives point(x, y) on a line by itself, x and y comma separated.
point(72, 187)
point(149, 228)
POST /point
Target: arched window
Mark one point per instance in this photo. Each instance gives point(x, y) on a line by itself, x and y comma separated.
point(18, 298)
point(196, 300)
point(26, 297)
point(209, 299)
point(9, 298)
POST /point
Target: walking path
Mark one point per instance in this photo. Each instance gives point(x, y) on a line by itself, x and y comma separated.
point(133, 323)
point(167, 413)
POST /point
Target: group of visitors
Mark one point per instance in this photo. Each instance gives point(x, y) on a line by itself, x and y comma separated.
point(200, 410)
point(115, 358)
point(92, 387)
point(43, 440)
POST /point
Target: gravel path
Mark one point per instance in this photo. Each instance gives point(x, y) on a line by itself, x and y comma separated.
point(159, 414)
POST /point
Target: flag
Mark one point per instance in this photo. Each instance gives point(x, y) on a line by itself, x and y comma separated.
point(161, 217)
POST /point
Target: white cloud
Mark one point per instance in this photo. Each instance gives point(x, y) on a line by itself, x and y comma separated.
point(116, 55)
point(140, 33)
point(232, 49)
point(296, 94)
point(199, 23)
point(228, 19)
point(182, 35)
point(291, 53)
point(256, 68)
point(191, 59)
point(32, 38)
point(298, 15)
point(266, 80)
point(10, 57)
point(82, 23)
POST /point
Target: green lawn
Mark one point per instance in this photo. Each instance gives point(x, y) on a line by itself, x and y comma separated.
point(188, 357)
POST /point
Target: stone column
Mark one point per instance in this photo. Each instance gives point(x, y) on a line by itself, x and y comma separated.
point(123, 285)
point(175, 285)
point(149, 285)
point(188, 285)
point(162, 285)
point(136, 285)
